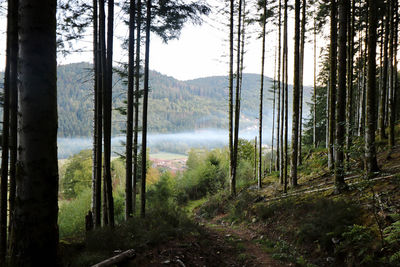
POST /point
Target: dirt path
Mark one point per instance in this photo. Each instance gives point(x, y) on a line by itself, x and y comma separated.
point(214, 245)
point(246, 237)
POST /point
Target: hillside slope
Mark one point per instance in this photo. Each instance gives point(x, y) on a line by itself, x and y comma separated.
point(174, 105)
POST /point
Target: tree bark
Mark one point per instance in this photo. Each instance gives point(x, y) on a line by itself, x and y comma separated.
point(137, 96)
point(35, 230)
point(302, 43)
point(370, 150)
point(13, 108)
point(278, 120)
point(271, 163)
point(315, 86)
point(237, 94)
point(145, 103)
point(296, 91)
point(108, 113)
point(349, 93)
point(231, 25)
point(332, 85)
point(341, 97)
point(392, 98)
point(102, 100)
point(264, 22)
point(5, 143)
point(382, 96)
point(98, 124)
point(285, 41)
point(129, 120)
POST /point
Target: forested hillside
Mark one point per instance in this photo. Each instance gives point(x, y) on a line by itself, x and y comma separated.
point(173, 105)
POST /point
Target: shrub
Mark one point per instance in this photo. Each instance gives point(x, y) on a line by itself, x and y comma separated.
point(217, 204)
point(78, 174)
point(72, 214)
point(357, 246)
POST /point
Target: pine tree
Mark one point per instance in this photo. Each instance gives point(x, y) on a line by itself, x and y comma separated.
point(4, 145)
point(264, 22)
point(296, 91)
point(332, 85)
point(370, 150)
point(145, 104)
point(341, 97)
point(129, 119)
point(35, 231)
point(137, 96)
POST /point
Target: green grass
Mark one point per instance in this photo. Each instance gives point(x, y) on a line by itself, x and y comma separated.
point(193, 204)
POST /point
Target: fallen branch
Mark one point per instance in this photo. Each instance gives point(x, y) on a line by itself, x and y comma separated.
point(124, 256)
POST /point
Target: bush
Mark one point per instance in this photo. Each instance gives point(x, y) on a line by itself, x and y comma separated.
point(78, 174)
point(357, 246)
point(216, 204)
point(240, 207)
point(71, 218)
point(392, 237)
point(202, 178)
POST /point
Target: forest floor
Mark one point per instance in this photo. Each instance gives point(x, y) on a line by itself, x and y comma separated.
point(215, 245)
point(270, 228)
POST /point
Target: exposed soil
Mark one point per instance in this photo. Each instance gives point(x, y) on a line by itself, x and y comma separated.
point(215, 245)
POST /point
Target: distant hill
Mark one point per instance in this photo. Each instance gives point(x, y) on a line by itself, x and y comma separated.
point(174, 106)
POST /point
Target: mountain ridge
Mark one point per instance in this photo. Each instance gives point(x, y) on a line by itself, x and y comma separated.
point(174, 105)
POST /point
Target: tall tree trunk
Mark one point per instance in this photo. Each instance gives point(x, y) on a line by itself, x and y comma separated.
point(315, 86)
point(383, 92)
point(392, 99)
point(296, 91)
point(103, 67)
point(278, 120)
point(285, 41)
point(137, 96)
point(35, 230)
point(341, 97)
point(332, 83)
point(363, 74)
point(129, 120)
point(264, 22)
point(13, 107)
point(349, 93)
point(95, 89)
point(237, 94)
point(302, 43)
point(370, 150)
point(5, 142)
point(97, 131)
point(255, 158)
point(231, 25)
point(145, 102)
point(107, 114)
point(271, 163)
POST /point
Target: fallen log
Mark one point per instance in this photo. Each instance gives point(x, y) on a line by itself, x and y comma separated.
point(124, 256)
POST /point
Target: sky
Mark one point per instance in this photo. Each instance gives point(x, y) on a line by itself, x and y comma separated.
point(200, 51)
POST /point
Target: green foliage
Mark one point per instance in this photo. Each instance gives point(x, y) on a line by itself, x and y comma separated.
point(164, 220)
point(316, 220)
point(71, 218)
point(78, 174)
point(357, 245)
point(392, 237)
point(392, 233)
point(245, 150)
point(176, 105)
point(240, 207)
point(216, 204)
point(206, 174)
point(326, 219)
